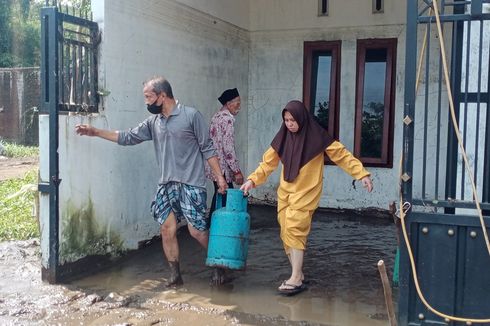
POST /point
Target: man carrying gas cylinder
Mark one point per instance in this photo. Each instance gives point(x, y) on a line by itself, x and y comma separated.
point(181, 140)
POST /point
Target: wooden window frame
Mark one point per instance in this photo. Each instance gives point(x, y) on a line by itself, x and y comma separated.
point(390, 44)
point(310, 47)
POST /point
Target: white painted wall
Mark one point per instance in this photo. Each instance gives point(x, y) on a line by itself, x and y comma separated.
point(44, 178)
point(234, 12)
point(282, 15)
point(279, 29)
point(254, 45)
point(200, 55)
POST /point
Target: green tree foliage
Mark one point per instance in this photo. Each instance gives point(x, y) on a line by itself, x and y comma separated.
point(77, 7)
point(5, 33)
point(19, 33)
point(20, 30)
point(322, 114)
point(82, 5)
point(372, 129)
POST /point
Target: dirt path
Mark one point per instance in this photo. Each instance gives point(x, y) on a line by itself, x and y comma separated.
point(16, 167)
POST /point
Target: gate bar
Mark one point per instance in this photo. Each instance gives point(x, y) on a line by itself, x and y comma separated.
point(50, 91)
point(408, 141)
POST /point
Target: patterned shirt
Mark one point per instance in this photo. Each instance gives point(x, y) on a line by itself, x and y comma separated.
point(222, 132)
point(181, 143)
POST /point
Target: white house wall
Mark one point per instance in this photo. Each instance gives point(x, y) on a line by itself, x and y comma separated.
point(279, 29)
point(233, 12)
point(202, 48)
point(270, 15)
point(107, 189)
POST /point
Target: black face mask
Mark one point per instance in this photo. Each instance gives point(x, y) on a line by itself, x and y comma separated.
point(154, 108)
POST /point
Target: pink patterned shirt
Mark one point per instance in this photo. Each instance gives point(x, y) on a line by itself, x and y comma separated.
point(222, 132)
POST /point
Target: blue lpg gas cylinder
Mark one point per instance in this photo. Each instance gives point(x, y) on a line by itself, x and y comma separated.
point(229, 232)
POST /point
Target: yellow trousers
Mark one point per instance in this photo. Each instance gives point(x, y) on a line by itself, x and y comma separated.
point(295, 227)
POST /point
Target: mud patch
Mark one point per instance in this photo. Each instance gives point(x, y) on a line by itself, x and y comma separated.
point(340, 264)
point(26, 300)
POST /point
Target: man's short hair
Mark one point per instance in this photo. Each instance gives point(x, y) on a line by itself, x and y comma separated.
point(159, 84)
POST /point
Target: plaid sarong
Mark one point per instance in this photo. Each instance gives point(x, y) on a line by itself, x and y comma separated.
point(185, 201)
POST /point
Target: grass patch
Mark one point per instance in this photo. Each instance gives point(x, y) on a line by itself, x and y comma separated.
point(14, 150)
point(16, 221)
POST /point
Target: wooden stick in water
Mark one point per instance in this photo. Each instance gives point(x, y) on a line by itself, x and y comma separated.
point(387, 293)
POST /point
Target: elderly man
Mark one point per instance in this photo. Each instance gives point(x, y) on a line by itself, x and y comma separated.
point(222, 132)
point(182, 144)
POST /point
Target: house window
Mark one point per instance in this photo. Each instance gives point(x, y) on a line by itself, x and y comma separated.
point(378, 6)
point(322, 7)
point(375, 94)
point(321, 79)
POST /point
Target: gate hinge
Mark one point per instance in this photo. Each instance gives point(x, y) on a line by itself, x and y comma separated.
point(43, 187)
point(56, 180)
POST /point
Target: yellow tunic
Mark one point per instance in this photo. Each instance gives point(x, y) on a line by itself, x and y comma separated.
point(297, 200)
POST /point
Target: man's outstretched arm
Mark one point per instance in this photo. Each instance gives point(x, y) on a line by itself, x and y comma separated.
point(88, 130)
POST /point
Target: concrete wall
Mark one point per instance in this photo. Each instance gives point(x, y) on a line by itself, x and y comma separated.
point(277, 15)
point(203, 49)
point(107, 189)
point(233, 12)
point(19, 100)
point(279, 29)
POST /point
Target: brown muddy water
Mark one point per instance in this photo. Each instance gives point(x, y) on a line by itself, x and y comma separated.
point(340, 264)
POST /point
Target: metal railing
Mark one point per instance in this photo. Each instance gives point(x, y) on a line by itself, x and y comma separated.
point(68, 83)
point(76, 55)
point(433, 171)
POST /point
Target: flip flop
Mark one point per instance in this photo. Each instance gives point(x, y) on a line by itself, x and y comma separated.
point(292, 289)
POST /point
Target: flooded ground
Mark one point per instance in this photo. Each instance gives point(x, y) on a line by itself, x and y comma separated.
point(340, 264)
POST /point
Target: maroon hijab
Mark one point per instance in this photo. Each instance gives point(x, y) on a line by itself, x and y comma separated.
point(297, 149)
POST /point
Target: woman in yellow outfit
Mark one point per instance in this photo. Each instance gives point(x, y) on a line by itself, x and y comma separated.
point(300, 145)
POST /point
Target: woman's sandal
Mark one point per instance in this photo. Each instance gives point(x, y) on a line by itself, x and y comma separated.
point(291, 289)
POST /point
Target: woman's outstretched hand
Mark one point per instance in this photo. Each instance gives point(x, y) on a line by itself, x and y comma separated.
point(247, 186)
point(367, 183)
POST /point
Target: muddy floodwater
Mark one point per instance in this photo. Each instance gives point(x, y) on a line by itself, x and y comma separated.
point(344, 286)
